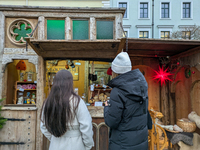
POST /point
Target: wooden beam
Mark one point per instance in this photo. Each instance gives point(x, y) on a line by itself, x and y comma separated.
point(121, 45)
point(28, 39)
point(187, 53)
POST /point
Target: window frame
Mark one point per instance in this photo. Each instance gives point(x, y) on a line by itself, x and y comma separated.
point(148, 5)
point(169, 2)
point(127, 7)
point(191, 9)
point(185, 35)
point(143, 35)
point(164, 34)
point(143, 28)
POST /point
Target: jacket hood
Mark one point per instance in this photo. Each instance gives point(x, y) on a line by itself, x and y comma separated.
point(131, 83)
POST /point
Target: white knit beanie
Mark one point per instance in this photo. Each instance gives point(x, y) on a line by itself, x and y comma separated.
point(122, 63)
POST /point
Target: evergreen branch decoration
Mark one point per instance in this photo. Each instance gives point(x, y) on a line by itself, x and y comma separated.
point(2, 120)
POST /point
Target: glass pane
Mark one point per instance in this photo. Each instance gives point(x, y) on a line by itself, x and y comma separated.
point(166, 15)
point(187, 16)
point(145, 6)
point(80, 29)
point(55, 29)
point(141, 11)
point(104, 29)
point(184, 5)
point(166, 11)
point(166, 5)
point(162, 6)
point(120, 5)
point(162, 15)
point(166, 34)
point(141, 15)
point(162, 11)
point(183, 34)
point(124, 5)
point(187, 11)
point(146, 34)
point(162, 34)
point(141, 5)
point(145, 11)
point(187, 5)
point(145, 16)
point(141, 34)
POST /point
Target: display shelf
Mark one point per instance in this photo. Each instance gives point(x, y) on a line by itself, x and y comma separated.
point(24, 92)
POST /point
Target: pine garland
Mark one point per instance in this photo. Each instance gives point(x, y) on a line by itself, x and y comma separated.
point(2, 120)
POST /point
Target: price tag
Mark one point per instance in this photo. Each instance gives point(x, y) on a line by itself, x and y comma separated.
point(98, 104)
point(35, 81)
point(22, 90)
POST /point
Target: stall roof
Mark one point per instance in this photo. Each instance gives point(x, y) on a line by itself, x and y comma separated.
point(77, 49)
point(106, 50)
point(161, 47)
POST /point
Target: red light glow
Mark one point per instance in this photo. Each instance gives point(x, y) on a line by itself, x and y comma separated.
point(162, 75)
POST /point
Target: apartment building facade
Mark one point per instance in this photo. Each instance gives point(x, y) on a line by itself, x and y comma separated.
point(158, 18)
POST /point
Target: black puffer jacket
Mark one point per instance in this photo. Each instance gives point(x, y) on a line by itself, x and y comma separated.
point(127, 115)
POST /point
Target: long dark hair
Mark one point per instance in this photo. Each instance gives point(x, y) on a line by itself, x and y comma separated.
point(58, 114)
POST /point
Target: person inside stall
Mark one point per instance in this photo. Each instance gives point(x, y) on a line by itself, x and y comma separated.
point(65, 119)
point(126, 113)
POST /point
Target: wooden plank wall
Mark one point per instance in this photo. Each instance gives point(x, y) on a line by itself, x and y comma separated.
point(19, 131)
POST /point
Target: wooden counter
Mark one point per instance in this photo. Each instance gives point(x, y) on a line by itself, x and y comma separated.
point(100, 129)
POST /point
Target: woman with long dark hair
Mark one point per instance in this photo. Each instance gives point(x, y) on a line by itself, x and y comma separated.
point(65, 119)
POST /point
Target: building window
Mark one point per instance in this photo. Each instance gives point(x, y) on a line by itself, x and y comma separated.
point(186, 35)
point(143, 10)
point(165, 35)
point(144, 34)
point(56, 29)
point(165, 10)
point(104, 29)
point(80, 29)
point(123, 5)
point(186, 10)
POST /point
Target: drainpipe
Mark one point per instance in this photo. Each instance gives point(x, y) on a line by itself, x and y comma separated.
point(152, 18)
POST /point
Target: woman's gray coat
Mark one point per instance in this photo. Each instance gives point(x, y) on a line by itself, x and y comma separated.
point(80, 137)
point(127, 113)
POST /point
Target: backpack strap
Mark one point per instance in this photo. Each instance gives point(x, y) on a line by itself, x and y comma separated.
point(143, 101)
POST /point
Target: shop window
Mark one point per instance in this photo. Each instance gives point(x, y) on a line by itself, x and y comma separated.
point(144, 34)
point(165, 35)
point(56, 29)
point(21, 83)
point(104, 29)
point(186, 34)
point(80, 29)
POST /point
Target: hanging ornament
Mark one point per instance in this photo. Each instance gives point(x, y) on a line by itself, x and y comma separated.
point(193, 72)
point(162, 75)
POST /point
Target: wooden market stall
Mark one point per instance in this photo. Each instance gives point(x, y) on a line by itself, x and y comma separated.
point(175, 99)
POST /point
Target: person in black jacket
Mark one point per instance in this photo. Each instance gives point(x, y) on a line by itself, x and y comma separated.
point(126, 113)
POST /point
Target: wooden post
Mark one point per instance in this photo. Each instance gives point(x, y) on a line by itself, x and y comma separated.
point(165, 103)
point(172, 106)
point(40, 99)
